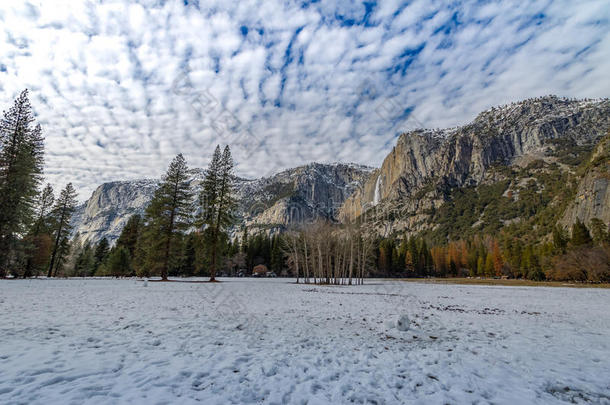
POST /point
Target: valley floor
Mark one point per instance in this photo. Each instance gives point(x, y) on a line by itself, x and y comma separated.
point(272, 341)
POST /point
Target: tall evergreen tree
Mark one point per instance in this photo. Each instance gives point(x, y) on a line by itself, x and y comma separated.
point(130, 234)
point(62, 214)
point(580, 234)
point(118, 263)
point(37, 239)
point(560, 241)
point(85, 261)
point(599, 231)
point(45, 203)
point(217, 200)
point(277, 256)
point(168, 213)
point(21, 164)
point(102, 249)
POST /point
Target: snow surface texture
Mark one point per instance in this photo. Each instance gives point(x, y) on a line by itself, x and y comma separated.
point(269, 341)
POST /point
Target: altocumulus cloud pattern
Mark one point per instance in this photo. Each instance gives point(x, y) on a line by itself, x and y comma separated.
point(310, 81)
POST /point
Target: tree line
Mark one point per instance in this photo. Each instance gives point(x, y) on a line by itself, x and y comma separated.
point(184, 233)
point(584, 255)
point(34, 224)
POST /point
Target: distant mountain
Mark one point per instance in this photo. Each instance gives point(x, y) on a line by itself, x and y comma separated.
point(468, 179)
point(291, 196)
point(523, 167)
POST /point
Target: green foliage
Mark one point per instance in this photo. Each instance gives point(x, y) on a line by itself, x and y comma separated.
point(569, 152)
point(560, 239)
point(21, 165)
point(600, 231)
point(84, 264)
point(130, 234)
point(218, 201)
point(580, 234)
point(277, 255)
point(118, 263)
point(61, 216)
point(468, 206)
point(101, 253)
point(167, 215)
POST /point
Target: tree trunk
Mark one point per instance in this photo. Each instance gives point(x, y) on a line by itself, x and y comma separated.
point(170, 231)
point(306, 260)
point(351, 259)
point(53, 256)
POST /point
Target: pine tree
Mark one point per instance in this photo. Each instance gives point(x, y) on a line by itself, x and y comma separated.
point(62, 214)
point(217, 200)
point(189, 263)
point(37, 240)
point(21, 165)
point(580, 234)
point(130, 234)
point(599, 230)
point(277, 257)
point(560, 241)
point(85, 261)
point(119, 262)
point(45, 203)
point(102, 249)
point(167, 214)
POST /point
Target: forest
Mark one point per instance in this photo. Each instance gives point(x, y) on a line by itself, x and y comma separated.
point(183, 233)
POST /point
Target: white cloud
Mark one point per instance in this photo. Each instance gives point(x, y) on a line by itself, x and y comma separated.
point(285, 84)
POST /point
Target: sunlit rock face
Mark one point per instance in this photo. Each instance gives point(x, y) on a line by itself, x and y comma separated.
point(425, 165)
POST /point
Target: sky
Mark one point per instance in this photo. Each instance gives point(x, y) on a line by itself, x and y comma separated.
point(121, 87)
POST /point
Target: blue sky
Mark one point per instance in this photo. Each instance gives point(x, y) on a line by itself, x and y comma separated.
point(121, 87)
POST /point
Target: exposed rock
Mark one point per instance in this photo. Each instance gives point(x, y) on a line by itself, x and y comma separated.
point(292, 196)
point(593, 195)
point(425, 165)
point(107, 210)
point(415, 178)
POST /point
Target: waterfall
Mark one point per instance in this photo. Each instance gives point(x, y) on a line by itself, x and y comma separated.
point(377, 195)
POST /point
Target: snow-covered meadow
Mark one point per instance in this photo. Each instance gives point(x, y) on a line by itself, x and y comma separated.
point(272, 341)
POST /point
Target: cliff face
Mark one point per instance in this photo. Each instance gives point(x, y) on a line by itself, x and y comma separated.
point(593, 194)
point(425, 165)
point(300, 194)
point(417, 177)
point(109, 207)
point(292, 196)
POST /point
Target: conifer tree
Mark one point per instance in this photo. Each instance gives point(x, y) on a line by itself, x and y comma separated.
point(45, 203)
point(62, 214)
point(277, 257)
point(21, 164)
point(102, 249)
point(217, 200)
point(560, 241)
point(599, 231)
point(130, 234)
point(118, 263)
point(37, 239)
point(85, 261)
point(189, 263)
point(168, 213)
point(580, 234)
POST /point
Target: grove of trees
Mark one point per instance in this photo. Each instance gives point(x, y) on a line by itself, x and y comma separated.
point(34, 228)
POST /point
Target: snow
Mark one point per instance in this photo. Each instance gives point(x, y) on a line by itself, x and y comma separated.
point(403, 323)
point(272, 341)
point(377, 195)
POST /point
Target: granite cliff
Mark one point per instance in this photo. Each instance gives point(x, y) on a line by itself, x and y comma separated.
point(420, 173)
